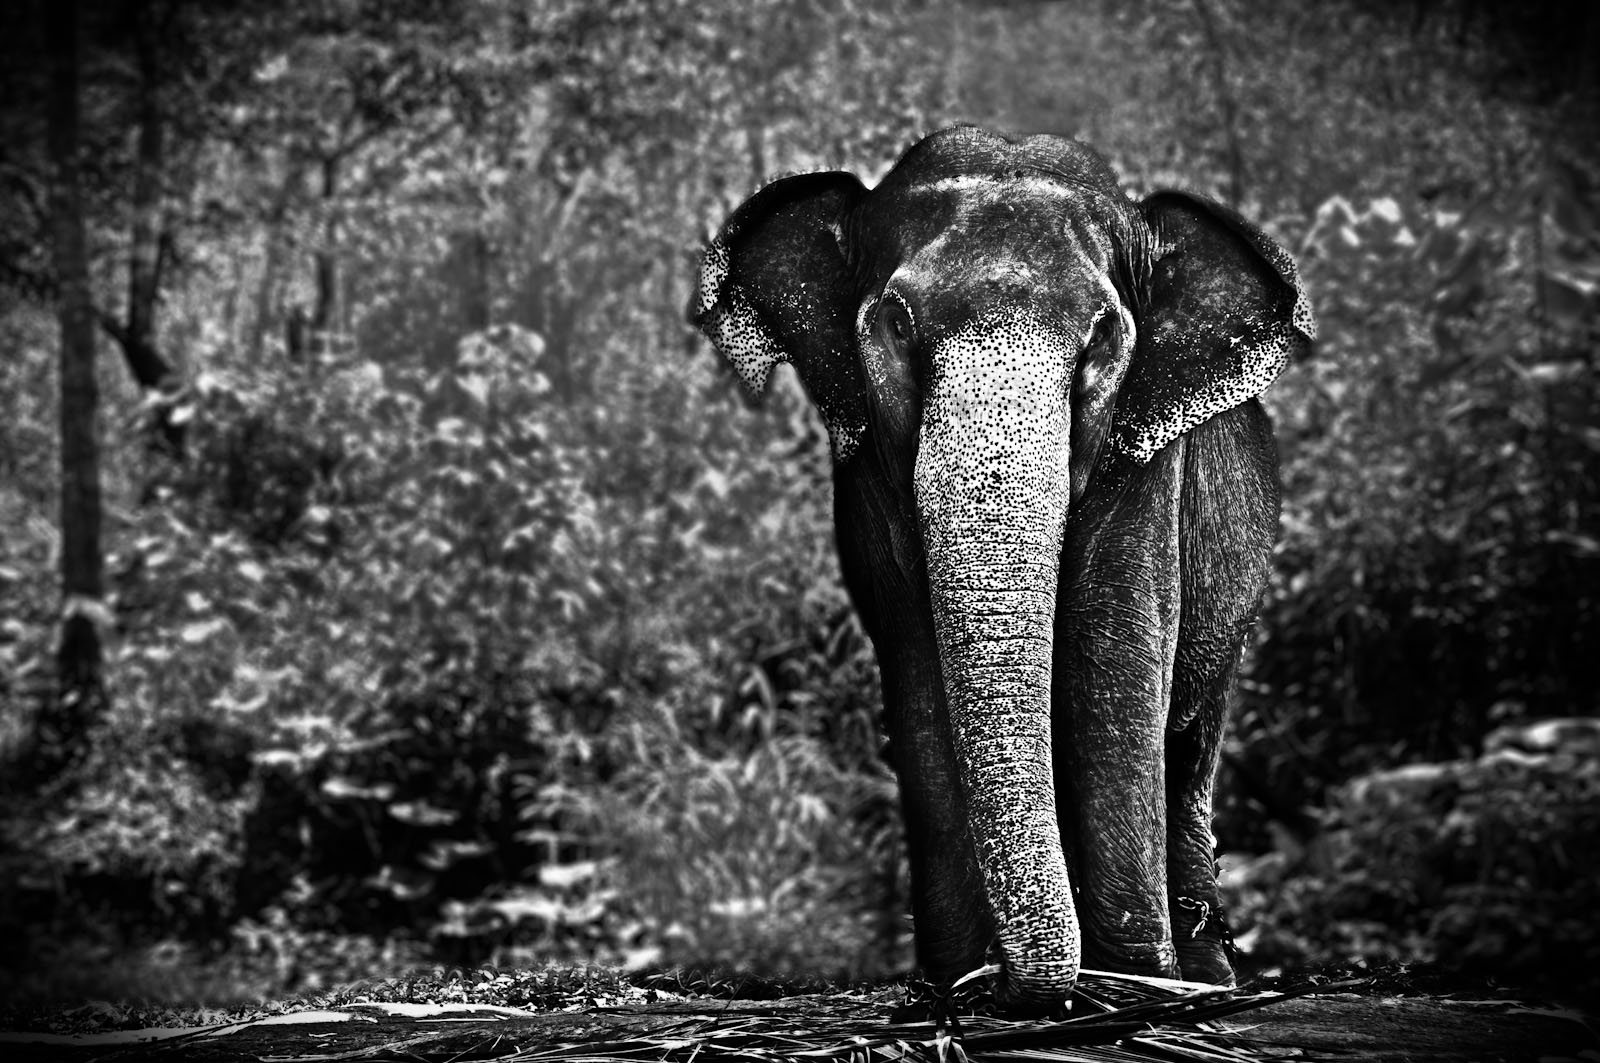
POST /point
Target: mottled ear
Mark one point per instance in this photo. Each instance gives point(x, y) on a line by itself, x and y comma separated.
point(1223, 313)
point(775, 286)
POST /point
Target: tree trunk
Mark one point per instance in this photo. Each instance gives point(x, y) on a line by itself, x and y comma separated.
point(144, 256)
point(324, 319)
point(136, 335)
point(81, 693)
point(272, 267)
point(1230, 110)
point(476, 298)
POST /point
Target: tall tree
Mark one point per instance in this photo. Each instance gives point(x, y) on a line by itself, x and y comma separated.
point(81, 691)
point(134, 66)
point(148, 234)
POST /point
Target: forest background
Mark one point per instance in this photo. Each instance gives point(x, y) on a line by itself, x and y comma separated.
point(423, 589)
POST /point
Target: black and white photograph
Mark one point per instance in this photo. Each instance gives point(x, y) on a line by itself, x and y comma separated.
point(663, 531)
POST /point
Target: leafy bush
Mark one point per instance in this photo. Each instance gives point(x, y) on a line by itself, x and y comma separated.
point(440, 640)
point(756, 859)
point(150, 846)
point(1486, 863)
point(1439, 564)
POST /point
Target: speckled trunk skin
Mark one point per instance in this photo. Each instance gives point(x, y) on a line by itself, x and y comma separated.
point(993, 500)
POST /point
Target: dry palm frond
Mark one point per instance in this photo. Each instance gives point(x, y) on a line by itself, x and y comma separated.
point(1117, 1019)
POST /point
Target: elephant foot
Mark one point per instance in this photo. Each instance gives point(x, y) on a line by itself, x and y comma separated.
point(1204, 961)
point(1203, 942)
point(1156, 959)
point(945, 1003)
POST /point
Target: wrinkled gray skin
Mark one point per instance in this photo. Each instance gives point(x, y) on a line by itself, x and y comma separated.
point(1056, 496)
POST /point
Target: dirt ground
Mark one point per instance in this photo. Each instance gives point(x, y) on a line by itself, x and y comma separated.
point(1335, 1026)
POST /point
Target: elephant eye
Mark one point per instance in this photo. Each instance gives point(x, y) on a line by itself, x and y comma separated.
point(894, 324)
point(1104, 332)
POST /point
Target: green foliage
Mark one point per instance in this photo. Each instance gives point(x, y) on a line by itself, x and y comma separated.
point(1487, 864)
point(402, 628)
point(756, 854)
point(1437, 566)
point(152, 846)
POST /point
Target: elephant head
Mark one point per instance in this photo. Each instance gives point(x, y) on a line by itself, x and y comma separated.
point(990, 334)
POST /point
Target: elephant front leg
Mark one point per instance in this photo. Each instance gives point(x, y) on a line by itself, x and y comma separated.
point(1116, 638)
point(953, 924)
point(880, 556)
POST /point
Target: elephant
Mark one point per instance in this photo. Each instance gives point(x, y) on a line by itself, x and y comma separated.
point(1055, 503)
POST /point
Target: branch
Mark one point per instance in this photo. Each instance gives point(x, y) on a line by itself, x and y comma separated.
point(150, 370)
point(1230, 110)
point(30, 191)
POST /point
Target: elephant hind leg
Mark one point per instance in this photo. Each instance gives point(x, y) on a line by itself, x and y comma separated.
point(1199, 933)
point(1228, 521)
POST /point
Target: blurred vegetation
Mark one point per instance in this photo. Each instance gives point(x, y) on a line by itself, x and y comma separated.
point(460, 606)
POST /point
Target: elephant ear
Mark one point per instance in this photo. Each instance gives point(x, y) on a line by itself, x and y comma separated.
point(775, 286)
point(1224, 311)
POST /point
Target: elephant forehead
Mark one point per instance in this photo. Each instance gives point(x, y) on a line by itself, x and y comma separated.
point(968, 150)
point(970, 242)
point(997, 208)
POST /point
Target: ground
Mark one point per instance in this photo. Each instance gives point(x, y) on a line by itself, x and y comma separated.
point(1113, 1020)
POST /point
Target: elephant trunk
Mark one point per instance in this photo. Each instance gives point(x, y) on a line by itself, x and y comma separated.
point(992, 492)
